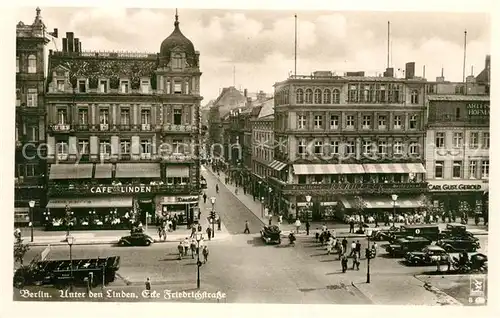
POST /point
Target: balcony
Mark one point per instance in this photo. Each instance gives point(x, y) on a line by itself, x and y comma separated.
point(61, 128)
point(179, 128)
point(103, 127)
point(146, 127)
point(62, 156)
point(145, 155)
point(90, 189)
point(81, 127)
point(354, 188)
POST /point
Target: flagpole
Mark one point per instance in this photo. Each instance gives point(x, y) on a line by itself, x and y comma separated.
point(295, 73)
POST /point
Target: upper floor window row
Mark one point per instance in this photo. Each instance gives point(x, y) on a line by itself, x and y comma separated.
point(103, 86)
point(31, 64)
point(318, 96)
point(378, 93)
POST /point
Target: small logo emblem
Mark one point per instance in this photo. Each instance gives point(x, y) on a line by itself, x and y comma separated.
point(477, 285)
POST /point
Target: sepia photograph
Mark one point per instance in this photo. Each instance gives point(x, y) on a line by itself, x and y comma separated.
point(248, 156)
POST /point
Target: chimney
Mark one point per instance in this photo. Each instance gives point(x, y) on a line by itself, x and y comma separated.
point(65, 45)
point(410, 70)
point(389, 72)
point(470, 79)
point(80, 47)
point(71, 41)
point(440, 78)
point(77, 44)
point(245, 92)
point(55, 33)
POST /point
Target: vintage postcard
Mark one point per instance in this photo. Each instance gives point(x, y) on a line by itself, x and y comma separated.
point(251, 156)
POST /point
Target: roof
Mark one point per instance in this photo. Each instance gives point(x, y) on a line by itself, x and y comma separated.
point(267, 108)
point(177, 41)
point(465, 98)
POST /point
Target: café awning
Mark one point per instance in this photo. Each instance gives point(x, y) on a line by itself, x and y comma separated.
point(103, 171)
point(277, 165)
point(91, 202)
point(394, 168)
point(308, 169)
point(61, 171)
point(384, 202)
point(177, 171)
point(137, 170)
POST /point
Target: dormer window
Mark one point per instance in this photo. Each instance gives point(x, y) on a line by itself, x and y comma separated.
point(145, 86)
point(124, 84)
point(177, 61)
point(82, 86)
point(103, 86)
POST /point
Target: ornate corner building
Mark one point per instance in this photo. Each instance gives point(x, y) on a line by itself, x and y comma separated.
point(30, 119)
point(123, 133)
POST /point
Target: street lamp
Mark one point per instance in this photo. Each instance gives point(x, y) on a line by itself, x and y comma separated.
point(394, 199)
point(269, 190)
point(32, 205)
point(69, 213)
point(199, 237)
point(258, 188)
point(70, 240)
point(212, 200)
point(368, 234)
point(262, 207)
point(308, 200)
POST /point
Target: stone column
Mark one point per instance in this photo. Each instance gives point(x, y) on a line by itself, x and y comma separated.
point(135, 148)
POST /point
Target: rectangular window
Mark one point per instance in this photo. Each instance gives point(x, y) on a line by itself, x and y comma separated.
point(124, 86)
point(334, 122)
point(32, 133)
point(83, 116)
point(62, 117)
point(17, 64)
point(146, 147)
point(302, 147)
point(104, 117)
point(334, 147)
point(458, 140)
point(382, 121)
point(486, 140)
point(32, 100)
point(350, 121)
point(145, 86)
point(145, 117)
point(177, 116)
point(397, 122)
point(474, 140)
point(353, 93)
point(105, 148)
point(301, 122)
point(485, 169)
point(413, 149)
point(302, 179)
point(169, 87)
point(398, 148)
point(62, 150)
point(457, 169)
point(60, 85)
point(103, 86)
point(318, 147)
point(413, 122)
point(31, 64)
point(367, 147)
point(382, 147)
point(83, 146)
point(439, 170)
point(125, 147)
point(31, 170)
point(473, 170)
point(177, 88)
point(125, 117)
point(177, 146)
point(161, 82)
point(82, 86)
point(367, 121)
point(186, 87)
point(350, 147)
point(440, 141)
point(318, 121)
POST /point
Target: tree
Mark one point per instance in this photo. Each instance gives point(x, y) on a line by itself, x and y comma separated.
point(20, 250)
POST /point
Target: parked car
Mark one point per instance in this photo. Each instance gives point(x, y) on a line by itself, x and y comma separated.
point(456, 231)
point(408, 244)
point(380, 235)
point(271, 234)
point(428, 256)
point(203, 182)
point(460, 244)
point(136, 239)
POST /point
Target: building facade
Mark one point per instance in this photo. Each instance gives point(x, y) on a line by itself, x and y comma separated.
point(343, 137)
point(30, 119)
point(123, 134)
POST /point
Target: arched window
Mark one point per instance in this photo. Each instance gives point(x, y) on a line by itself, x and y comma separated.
point(317, 96)
point(286, 101)
point(309, 96)
point(327, 96)
point(336, 96)
point(300, 96)
point(414, 97)
point(31, 64)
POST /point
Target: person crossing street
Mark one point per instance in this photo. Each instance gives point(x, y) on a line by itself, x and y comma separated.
point(247, 229)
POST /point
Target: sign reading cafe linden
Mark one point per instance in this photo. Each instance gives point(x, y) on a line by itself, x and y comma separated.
point(121, 189)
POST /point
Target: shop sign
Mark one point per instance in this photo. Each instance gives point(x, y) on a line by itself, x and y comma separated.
point(121, 189)
point(457, 187)
point(476, 109)
point(187, 199)
point(372, 187)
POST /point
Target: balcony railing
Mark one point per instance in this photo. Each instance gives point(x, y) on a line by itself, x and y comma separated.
point(356, 188)
point(91, 189)
point(146, 127)
point(103, 127)
point(178, 128)
point(61, 127)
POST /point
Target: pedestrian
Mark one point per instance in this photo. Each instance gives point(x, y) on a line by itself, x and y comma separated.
point(159, 232)
point(324, 228)
point(317, 235)
point(218, 223)
point(216, 188)
point(180, 248)
point(205, 254)
point(329, 246)
point(209, 233)
point(204, 197)
point(297, 225)
point(185, 244)
point(376, 220)
point(358, 247)
point(351, 226)
point(355, 261)
point(307, 227)
point(353, 248)
point(199, 228)
point(341, 251)
point(322, 238)
point(193, 248)
point(344, 244)
point(148, 287)
point(193, 232)
point(164, 233)
point(247, 229)
point(343, 262)
point(374, 249)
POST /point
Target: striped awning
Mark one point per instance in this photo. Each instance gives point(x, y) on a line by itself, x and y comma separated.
point(61, 171)
point(394, 168)
point(137, 170)
point(177, 171)
point(277, 165)
point(308, 169)
point(103, 170)
point(384, 202)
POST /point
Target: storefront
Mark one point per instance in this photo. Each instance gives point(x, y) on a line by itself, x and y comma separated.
point(184, 208)
point(456, 197)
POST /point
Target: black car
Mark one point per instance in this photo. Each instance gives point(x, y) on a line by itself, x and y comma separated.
point(456, 231)
point(271, 234)
point(136, 239)
point(459, 244)
point(381, 235)
point(402, 246)
point(429, 255)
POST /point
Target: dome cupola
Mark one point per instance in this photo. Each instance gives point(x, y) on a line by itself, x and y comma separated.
point(178, 43)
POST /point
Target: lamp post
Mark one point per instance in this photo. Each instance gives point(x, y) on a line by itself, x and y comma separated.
point(394, 198)
point(308, 200)
point(269, 190)
point(199, 236)
point(368, 234)
point(32, 205)
point(69, 213)
point(212, 200)
point(262, 207)
point(258, 189)
point(70, 240)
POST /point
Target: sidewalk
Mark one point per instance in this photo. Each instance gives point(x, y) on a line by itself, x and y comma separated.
point(341, 229)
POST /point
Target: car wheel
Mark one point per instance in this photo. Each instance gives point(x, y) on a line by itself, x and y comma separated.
point(279, 241)
point(148, 243)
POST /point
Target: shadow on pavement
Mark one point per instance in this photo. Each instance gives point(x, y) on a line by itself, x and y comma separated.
point(335, 273)
point(328, 260)
point(169, 259)
point(256, 241)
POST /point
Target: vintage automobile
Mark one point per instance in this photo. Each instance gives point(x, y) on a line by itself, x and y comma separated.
point(477, 263)
point(456, 231)
point(429, 255)
point(136, 239)
point(203, 182)
point(459, 244)
point(408, 244)
point(271, 234)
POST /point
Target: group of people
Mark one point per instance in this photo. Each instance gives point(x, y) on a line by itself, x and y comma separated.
point(192, 245)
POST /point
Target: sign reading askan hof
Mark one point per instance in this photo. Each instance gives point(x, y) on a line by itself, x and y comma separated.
point(478, 109)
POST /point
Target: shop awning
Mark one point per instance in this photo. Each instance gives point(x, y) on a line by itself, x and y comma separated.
point(394, 168)
point(307, 169)
point(91, 202)
point(277, 165)
point(137, 170)
point(61, 171)
point(177, 171)
point(384, 202)
point(103, 170)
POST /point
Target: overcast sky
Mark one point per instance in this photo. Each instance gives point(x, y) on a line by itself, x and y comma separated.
point(260, 44)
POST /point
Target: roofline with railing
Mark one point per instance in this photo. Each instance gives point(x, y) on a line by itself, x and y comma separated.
point(106, 54)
